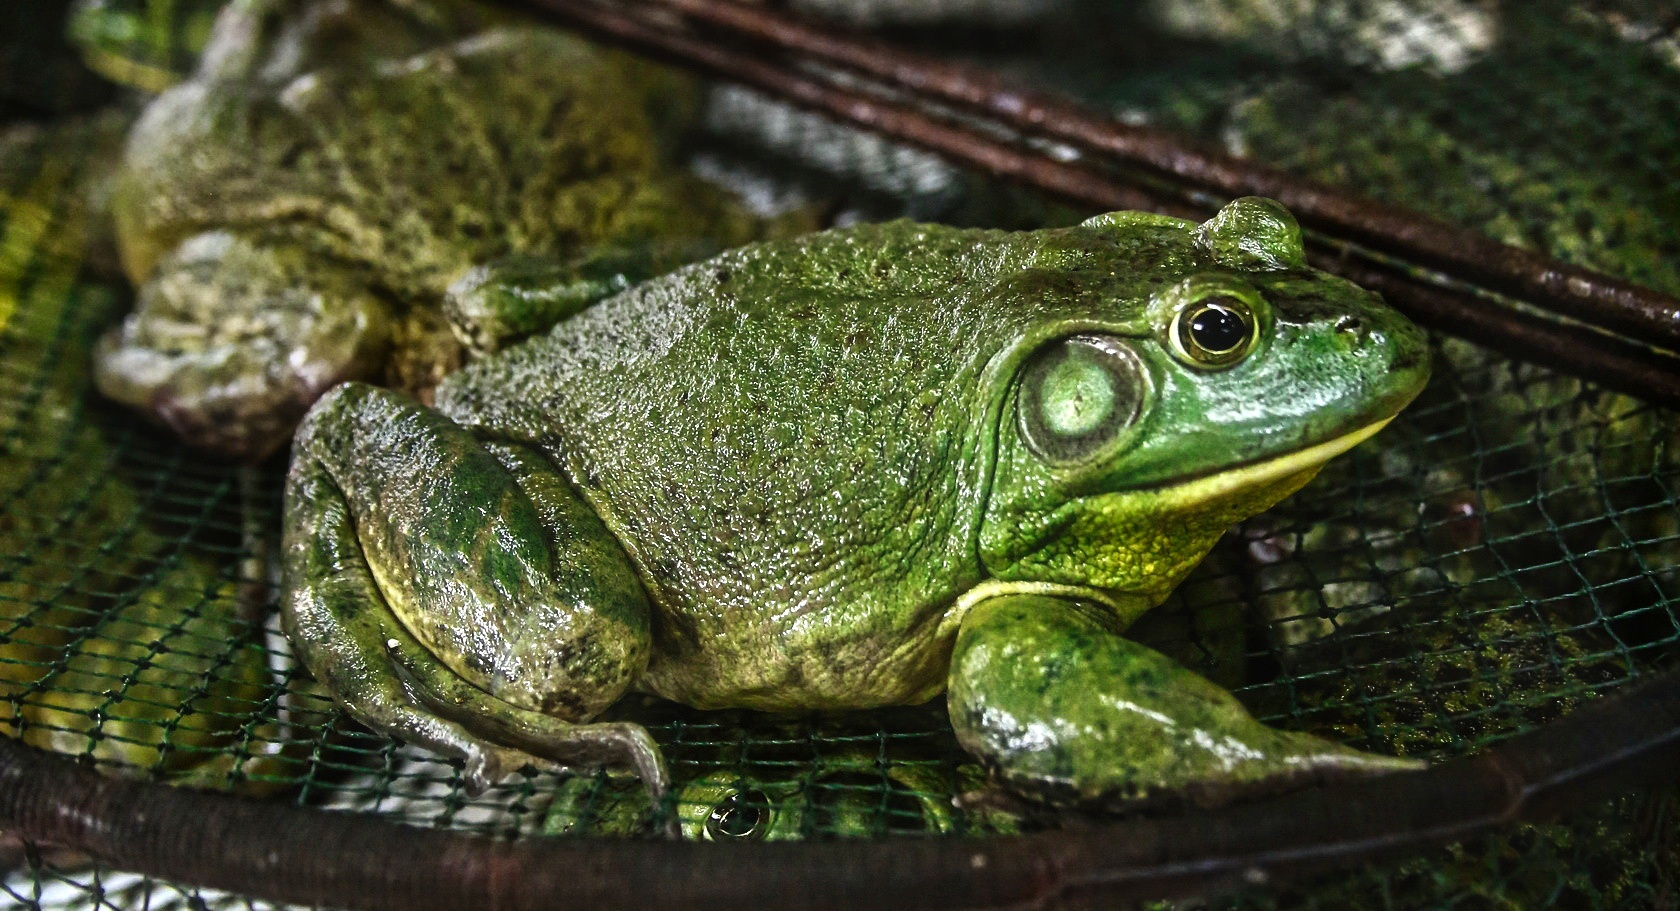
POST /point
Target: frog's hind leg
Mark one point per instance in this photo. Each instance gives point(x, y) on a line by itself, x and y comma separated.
point(457, 595)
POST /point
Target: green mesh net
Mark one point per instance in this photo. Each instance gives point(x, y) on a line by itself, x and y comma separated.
point(1505, 551)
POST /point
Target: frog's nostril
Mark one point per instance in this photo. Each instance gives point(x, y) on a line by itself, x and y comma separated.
point(1351, 332)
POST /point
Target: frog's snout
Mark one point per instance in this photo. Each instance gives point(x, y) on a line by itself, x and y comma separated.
point(1403, 352)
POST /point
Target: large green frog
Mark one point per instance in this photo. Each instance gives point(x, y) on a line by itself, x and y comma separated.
point(850, 470)
point(341, 185)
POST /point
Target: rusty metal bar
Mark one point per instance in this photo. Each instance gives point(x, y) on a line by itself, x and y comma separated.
point(1466, 255)
point(348, 860)
point(1652, 375)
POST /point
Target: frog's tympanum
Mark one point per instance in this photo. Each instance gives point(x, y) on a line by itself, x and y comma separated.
point(344, 185)
point(850, 470)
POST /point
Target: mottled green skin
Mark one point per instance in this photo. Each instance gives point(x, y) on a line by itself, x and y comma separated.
point(334, 192)
point(787, 477)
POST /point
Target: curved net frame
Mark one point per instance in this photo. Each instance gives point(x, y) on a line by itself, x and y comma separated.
point(1504, 552)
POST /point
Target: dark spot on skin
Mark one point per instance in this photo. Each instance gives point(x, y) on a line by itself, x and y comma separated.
point(562, 705)
point(675, 632)
point(473, 230)
point(290, 157)
point(665, 568)
point(722, 275)
point(479, 664)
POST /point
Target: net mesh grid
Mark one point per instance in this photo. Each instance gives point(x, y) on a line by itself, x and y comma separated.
point(1503, 552)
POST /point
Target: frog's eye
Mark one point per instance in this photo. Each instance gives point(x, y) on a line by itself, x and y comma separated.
point(1077, 395)
point(742, 816)
point(1214, 332)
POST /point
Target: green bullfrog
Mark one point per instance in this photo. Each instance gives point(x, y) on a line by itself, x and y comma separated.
point(843, 471)
point(340, 186)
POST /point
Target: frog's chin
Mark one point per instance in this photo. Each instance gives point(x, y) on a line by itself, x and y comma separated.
point(1220, 499)
point(1215, 500)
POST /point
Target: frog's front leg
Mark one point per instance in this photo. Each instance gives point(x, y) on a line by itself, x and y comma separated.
point(503, 301)
point(1048, 694)
point(458, 594)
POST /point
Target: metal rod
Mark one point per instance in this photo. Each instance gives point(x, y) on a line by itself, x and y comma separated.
point(1466, 255)
point(297, 854)
point(1652, 375)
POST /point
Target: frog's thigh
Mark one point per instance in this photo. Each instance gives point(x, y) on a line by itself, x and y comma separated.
point(232, 338)
point(453, 599)
point(1047, 693)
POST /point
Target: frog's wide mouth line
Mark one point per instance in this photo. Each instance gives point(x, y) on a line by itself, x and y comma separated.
point(1257, 474)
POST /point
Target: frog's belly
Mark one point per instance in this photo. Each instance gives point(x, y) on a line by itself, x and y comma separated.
point(793, 666)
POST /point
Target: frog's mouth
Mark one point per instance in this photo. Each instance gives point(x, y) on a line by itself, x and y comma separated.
point(1261, 474)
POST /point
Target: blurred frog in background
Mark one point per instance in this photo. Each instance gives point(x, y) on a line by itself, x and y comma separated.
point(352, 189)
point(148, 45)
point(119, 642)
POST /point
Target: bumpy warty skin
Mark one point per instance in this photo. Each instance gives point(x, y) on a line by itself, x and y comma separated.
point(795, 442)
point(789, 518)
point(843, 471)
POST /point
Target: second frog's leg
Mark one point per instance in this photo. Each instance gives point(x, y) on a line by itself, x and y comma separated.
point(232, 338)
point(458, 595)
point(1048, 695)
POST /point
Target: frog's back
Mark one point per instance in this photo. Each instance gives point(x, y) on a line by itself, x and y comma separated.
point(792, 441)
point(417, 168)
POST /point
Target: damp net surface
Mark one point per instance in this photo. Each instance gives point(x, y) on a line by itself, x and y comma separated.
point(1503, 552)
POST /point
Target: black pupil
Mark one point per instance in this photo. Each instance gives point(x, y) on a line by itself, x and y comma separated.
point(739, 816)
point(1217, 329)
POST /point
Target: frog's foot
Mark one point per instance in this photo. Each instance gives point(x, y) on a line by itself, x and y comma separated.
point(230, 342)
point(390, 683)
point(549, 740)
point(1065, 710)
